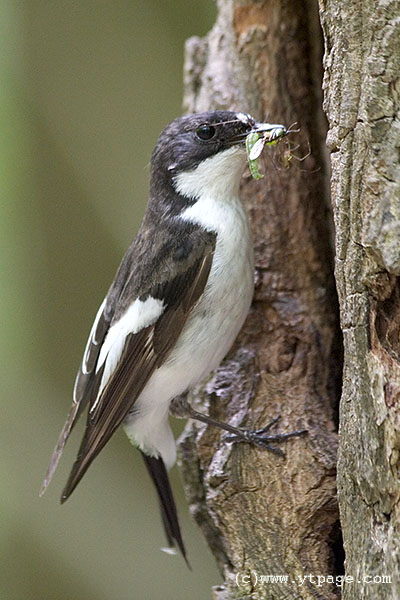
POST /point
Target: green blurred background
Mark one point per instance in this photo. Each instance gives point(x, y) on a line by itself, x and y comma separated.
point(85, 89)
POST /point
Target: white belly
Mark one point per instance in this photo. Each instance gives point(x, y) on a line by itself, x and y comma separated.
point(216, 320)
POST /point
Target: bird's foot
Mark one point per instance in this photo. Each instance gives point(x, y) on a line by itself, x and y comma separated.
point(262, 438)
point(259, 437)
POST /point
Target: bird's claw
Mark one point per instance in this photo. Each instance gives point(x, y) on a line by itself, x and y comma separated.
point(262, 439)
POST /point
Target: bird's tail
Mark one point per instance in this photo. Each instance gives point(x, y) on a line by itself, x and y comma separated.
point(159, 475)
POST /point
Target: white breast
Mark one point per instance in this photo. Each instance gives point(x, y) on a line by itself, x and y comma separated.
point(216, 320)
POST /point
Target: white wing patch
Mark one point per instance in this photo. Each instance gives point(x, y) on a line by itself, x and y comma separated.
point(92, 338)
point(139, 315)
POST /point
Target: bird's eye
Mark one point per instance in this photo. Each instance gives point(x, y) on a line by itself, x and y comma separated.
point(205, 132)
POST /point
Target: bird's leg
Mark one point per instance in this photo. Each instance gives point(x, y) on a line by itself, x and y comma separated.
point(181, 408)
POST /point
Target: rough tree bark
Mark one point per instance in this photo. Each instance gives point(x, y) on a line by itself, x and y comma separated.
point(362, 92)
point(263, 515)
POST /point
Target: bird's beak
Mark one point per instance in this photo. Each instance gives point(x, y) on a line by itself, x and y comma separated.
point(271, 131)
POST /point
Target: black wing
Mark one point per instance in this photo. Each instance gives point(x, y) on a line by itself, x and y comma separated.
point(178, 277)
point(83, 387)
point(143, 352)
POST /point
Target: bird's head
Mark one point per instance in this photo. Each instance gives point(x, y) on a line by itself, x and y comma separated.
point(204, 151)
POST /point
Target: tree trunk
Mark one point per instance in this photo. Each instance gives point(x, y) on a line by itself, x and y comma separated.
point(362, 75)
point(263, 515)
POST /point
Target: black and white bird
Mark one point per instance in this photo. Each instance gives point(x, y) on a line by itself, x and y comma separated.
point(177, 303)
